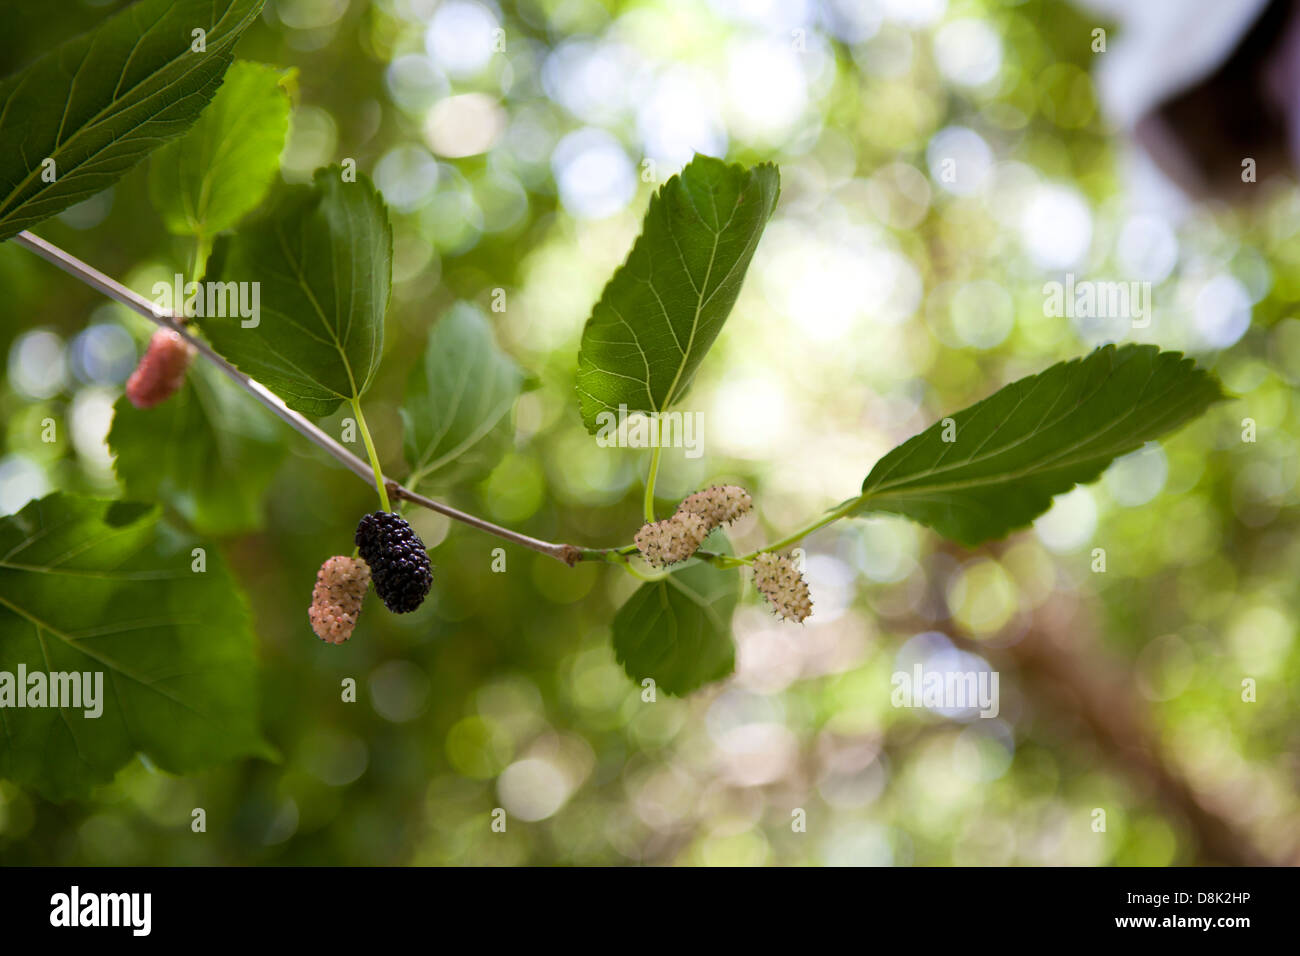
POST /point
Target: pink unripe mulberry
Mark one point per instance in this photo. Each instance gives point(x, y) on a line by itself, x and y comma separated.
point(780, 582)
point(161, 371)
point(672, 540)
point(719, 505)
point(336, 599)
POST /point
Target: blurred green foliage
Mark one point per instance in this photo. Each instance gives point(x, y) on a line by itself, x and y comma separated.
point(882, 296)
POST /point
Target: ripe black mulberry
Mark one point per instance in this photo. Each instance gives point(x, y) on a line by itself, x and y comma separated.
point(399, 565)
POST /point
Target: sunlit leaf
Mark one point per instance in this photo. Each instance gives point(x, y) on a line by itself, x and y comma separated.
point(1012, 452)
point(323, 263)
point(666, 304)
point(77, 119)
point(218, 172)
point(677, 630)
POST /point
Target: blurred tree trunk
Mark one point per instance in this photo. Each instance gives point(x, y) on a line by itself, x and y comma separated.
point(1066, 675)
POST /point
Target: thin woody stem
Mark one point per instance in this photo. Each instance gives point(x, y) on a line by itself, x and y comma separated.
point(366, 471)
point(568, 553)
point(51, 253)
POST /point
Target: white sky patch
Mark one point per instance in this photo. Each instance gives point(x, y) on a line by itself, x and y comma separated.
point(767, 13)
point(1147, 249)
point(102, 354)
point(592, 79)
point(533, 789)
point(460, 37)
point(959, 160)
point(464, 125)
point(914, 13)
point(968, 51)
point(852, 20)
point(767, 92)
point(38, 364)
point(1056, 227)
point(750, 418)
point(595, 177)
point(1070, 523)
point(415, 83)
point(407, 176)
point(680, 118)
point(91, 415)
point(831, 279)
point(21, 480)
point(1136, 478)
point(1222, 311)
point(831, 582)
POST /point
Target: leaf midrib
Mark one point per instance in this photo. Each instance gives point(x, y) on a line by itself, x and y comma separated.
point(701, 294)
point(1038, 467)
point(490, 422)
point(976, 459)
point(698, 599)
point(1037, 431)
point(301, 279)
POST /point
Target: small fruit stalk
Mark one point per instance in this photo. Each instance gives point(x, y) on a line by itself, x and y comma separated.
point(161, 371)
point(336, 600)
point(398, 561)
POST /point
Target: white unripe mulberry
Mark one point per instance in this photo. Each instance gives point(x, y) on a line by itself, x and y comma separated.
point(341, 585)
point(719, 505)
point(778, 580)
point(672, 540)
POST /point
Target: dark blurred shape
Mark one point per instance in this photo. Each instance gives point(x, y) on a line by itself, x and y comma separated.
point(1247, 108)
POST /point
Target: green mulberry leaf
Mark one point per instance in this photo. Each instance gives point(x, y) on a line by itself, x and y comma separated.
point(1036, 438)
point(677, 630)
point(666, 304)
point(92, 586)
point(80, 117)
point(323, 261)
